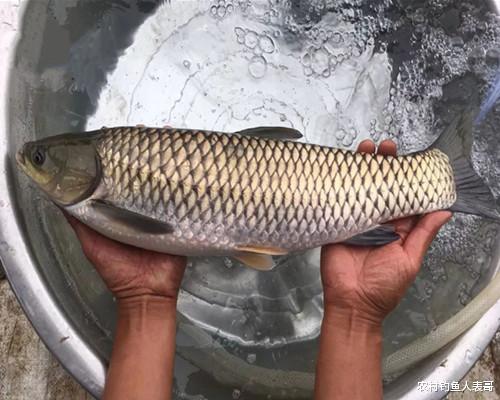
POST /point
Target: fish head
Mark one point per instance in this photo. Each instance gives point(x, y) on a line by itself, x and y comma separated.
point(65, 167)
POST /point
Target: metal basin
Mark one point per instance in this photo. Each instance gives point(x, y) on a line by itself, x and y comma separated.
point(339, 71)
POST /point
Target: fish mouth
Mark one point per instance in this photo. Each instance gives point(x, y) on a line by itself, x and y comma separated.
point(20, 158)
point(21, 161)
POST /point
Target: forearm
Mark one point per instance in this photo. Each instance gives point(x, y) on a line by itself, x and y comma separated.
point(349, 360)
point(142, 360)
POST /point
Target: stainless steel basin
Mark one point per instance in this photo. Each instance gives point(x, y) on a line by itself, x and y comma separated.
point(339, 71)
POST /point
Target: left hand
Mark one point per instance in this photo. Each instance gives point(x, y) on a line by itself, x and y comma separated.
point(129, 271)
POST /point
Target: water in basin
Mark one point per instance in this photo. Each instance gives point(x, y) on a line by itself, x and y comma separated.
point(338, 71)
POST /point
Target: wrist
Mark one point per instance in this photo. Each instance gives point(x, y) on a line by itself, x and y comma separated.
point(352, 319)
point(349, 342)
point(147, 305)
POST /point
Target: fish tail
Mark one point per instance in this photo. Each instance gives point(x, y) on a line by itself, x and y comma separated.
point(473, 196)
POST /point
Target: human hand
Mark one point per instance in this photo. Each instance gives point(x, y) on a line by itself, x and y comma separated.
point(370, 281)
point(146, 284)
point(129, 271)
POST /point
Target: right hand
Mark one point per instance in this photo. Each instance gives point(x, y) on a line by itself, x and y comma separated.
point(369, 281)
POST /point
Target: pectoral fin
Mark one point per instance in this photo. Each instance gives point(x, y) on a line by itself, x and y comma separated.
point(271, 132)
point(376, 237)
point(260, 262)
point(127, 219)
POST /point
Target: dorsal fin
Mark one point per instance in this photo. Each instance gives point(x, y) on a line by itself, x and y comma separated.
point(271, 132)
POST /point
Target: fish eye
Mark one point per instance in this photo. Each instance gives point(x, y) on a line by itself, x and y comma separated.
point(38, 157)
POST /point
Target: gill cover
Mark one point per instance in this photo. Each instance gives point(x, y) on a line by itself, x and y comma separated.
point(66, 167)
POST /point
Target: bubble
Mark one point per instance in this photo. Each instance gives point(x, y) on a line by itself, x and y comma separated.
point(240, 34)
point(464, 295)
point(457, 41)
point(251, 358)
point(236, 394)
point(348, 139)
point(493, 57)
point(251, 39)
point(357, 51)
point(476, 56)
point(321, 60)
point(257, 67)
point(186, 64)
point(228, 263)
point(213, 10)
point(221, 11)
point(419, 16)
point(266, 44)
point(230, 8)
point(340, 134)
point(306, 59)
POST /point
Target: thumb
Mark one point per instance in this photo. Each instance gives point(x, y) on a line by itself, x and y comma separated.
point(85, 234)
point(71, 220)
point(421, 236)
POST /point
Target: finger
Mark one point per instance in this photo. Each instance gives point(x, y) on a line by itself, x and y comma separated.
point(420, 238)
point(387, 148)
point(75, 224)
point(85, 234)
point(71, 220)
point(403, 226)
point(79, 228)
point(88, 237)
point(366, 146)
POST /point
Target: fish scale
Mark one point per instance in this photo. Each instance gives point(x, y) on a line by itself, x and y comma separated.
point(256, 191)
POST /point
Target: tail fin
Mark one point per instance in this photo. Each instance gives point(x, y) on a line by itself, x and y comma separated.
point(473, 196)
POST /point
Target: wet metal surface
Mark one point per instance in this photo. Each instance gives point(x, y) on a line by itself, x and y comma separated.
point(339, 74)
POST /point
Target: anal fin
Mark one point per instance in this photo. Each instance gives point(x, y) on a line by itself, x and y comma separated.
point(260, 262)
point(271, 251)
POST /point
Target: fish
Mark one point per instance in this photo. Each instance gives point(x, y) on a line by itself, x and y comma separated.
point(251, 194)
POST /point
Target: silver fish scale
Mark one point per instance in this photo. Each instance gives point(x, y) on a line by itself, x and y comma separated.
point(229, 190)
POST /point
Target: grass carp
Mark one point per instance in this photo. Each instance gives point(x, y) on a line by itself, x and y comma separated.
point(251, 194)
